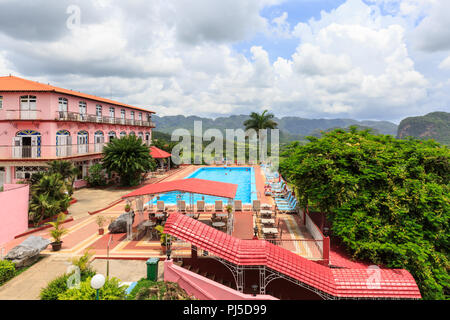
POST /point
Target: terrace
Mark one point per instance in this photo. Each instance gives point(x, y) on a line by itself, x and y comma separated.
point(199, 245)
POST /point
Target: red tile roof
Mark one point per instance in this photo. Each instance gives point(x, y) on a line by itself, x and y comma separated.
point(341, 283)
point(157, 153)
point(12, 83)
point(191, 185)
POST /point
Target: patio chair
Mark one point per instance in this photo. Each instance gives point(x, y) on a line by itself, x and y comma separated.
point(200, 206)
point(237, 205)
point(218, 206)
point(256, 206)
point(160, 207)
point(181, 206)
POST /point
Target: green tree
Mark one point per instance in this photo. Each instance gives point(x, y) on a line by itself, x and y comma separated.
point(260, 121)
point(48, 197)
point(129, 157)
point(67, 171)
point(387, 199)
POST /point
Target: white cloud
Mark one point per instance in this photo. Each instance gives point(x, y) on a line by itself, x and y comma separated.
point(445, 64)
point(177, 58)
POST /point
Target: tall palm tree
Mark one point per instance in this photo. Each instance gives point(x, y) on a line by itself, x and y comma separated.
point(129, 157)
point(260, 121)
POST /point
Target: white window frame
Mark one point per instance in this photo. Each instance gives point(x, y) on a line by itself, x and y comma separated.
point(1, 102)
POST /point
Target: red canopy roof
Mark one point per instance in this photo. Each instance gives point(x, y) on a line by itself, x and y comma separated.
point(346, 283)
point(157, 153)
point(192, 185)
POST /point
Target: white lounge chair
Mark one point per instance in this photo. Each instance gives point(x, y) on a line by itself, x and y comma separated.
point(237, 205)
point(200, 206)
point(160, 207)
point(256, 206)
point(181, 206)
point(218, 206)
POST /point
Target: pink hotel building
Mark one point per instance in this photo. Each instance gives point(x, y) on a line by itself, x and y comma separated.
point(40, 122)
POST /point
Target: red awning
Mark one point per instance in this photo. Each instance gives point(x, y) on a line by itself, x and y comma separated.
point(157, 153)
point(192, 185)
point(345, 283)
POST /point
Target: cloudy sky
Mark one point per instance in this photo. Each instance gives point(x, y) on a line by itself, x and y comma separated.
point(361, 59)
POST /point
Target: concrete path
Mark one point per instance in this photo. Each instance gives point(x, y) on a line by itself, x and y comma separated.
point(89, 200)
point(27, 286)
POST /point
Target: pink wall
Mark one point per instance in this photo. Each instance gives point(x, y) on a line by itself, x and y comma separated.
point(204, 288)
point(13, 211)
point(47, 105)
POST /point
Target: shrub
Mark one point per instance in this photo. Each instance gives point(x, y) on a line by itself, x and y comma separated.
point(151, 290)
point(54, 288)
point(110, 291)
point(96, 177)
point(7, 271)
point(59, 285)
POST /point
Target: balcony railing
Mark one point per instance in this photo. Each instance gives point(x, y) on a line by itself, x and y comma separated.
point(75, 116)
point(23, 114)
point(49, 152)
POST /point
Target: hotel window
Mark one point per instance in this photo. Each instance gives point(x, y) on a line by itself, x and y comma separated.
point(141, 135)
point(149, 117)
point(98, 111)
point(132, 115)
point(122, 113)
point(1, 102)
point(140, 116)
point(82, 107)
point(62, 105)
point(112, 112)
point(28, 103)
point(123, 134)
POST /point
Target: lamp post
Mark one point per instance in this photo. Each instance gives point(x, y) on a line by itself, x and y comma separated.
point(97, 282)
point(254, 289)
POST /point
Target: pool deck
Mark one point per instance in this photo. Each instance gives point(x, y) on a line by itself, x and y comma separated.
point(83, 232)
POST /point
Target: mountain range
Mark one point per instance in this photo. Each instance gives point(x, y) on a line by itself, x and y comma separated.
point(291, 128)
point(435, 125)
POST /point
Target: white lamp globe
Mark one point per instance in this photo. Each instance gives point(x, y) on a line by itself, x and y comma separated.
point(97, 281)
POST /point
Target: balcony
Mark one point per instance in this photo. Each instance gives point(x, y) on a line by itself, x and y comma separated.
point(80, 117)
point(48, 152)
point(23, 114)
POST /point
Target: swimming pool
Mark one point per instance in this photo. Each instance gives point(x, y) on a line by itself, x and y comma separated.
point(244, 177)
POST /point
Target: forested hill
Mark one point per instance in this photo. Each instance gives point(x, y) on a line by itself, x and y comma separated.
point(293, 128)
point(435, 125)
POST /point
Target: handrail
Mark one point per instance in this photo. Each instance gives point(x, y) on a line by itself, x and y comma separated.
point(84, 117)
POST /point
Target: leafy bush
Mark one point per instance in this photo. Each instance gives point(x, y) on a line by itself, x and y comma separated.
point(7, 271)
point(110, 291)
point(151, 290)
point(96, 177)
point(54, 288)
point(387, 199)
point(59, 285)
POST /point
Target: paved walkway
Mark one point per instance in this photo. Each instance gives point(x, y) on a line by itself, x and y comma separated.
point(89, 200)
point(27, 286)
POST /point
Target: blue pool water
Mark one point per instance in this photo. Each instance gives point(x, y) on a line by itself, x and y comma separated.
point(244, 177)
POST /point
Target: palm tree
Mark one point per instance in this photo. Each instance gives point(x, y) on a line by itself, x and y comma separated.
point(67, 170)
point(259, 122)
point(48, 197)
point(129, 157)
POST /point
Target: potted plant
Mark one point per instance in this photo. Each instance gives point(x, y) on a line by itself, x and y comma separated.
point(127, 207)
point(163, 238)
point(229, 208)
point(100, 220)
point(57, 232)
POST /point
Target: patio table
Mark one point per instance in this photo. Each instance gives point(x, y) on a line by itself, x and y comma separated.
point(270, 230)
point(266, 206)
point(266, 213)
point(222, 215)
point(218, 224)
point(268, 221)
